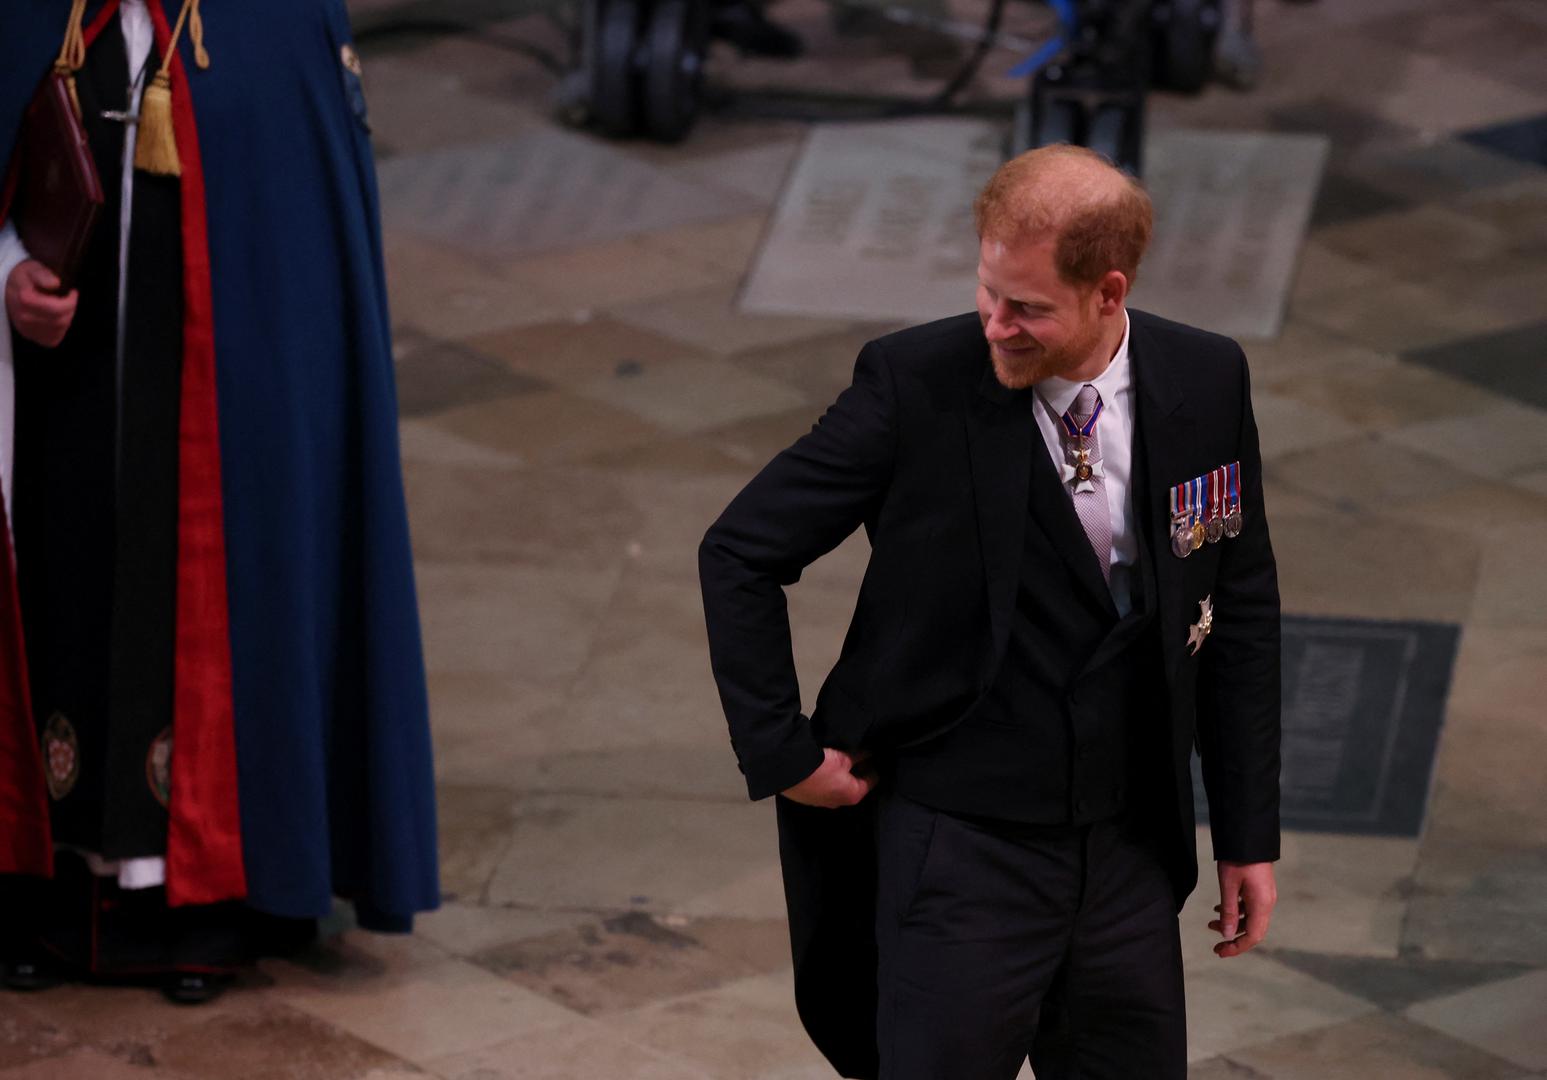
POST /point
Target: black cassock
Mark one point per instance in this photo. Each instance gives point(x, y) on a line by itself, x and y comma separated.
point(95, 518)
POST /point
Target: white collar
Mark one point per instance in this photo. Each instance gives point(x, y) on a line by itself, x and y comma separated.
point(1059, 393)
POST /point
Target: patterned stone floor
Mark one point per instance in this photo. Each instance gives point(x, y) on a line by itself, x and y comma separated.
point(581, 395)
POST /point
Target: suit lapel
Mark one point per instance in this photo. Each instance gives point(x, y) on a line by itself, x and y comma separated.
point(1000, 429)
point(1165, 439)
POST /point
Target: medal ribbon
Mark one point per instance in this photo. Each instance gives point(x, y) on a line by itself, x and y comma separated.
point(1081, 432)
point(1233, 487)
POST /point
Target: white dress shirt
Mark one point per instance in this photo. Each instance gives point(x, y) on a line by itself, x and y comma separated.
point(1115, 429)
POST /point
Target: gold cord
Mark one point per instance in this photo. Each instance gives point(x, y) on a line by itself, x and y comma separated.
point(189, 15)
point(72, 54)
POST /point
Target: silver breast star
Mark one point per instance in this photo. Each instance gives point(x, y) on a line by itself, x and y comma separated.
point(1198, 631)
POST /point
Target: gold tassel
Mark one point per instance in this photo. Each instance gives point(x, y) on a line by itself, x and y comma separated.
point(156, 150)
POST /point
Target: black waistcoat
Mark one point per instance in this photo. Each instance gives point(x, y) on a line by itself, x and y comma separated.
point(1075, 711)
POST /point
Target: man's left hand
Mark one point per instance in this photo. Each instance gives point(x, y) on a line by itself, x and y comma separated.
point(1247, 894)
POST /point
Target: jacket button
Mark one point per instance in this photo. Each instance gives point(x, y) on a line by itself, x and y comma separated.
point(1080, 806)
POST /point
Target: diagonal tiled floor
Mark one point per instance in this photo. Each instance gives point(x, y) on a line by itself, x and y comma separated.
point(581, 394)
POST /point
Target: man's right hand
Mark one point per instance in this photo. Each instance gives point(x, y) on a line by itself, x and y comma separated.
point(38, 314)
point(836, 782)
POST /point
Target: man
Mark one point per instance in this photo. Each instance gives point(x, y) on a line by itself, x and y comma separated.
point(222, 664)
point(986, 824)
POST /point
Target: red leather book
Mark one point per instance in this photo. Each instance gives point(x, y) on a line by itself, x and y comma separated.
point(59, 195)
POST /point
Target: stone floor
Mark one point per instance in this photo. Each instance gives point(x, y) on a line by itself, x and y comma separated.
point(581, 395)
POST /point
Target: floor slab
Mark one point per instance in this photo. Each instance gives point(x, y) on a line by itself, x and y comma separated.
point(1374, 1046)
point(1508, 1018)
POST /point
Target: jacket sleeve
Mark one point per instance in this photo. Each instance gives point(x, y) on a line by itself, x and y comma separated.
point(1239, 675)
point(803, 504)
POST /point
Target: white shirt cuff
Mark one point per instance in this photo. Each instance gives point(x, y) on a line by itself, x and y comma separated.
point(12, 252)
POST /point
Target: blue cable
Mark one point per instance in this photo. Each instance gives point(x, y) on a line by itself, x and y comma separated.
point(1070, 18)
point(1067, 13)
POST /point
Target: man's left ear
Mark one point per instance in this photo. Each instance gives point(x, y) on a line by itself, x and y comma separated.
point(1113, 290)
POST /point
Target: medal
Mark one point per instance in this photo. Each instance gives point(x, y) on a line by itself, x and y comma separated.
point(1082, 469)
point(1181, 543)
point(1233, 520)
point(1185, 519)
point(1214, 525)
point(1196, 494)
point(1080, 434)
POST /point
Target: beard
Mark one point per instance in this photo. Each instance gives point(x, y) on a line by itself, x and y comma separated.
point(1018, 370)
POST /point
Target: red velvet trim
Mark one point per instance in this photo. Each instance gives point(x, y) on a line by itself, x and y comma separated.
point(26, 841)
point(204, 838)
point(97, 25)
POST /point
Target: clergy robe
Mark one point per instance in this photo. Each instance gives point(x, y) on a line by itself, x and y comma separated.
point(295, 763)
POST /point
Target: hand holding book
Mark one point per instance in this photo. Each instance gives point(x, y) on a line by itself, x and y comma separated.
point(34, 306)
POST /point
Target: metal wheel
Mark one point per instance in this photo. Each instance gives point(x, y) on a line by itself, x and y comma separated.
point(676, 41)
point(615, 104)
point(1184, 43)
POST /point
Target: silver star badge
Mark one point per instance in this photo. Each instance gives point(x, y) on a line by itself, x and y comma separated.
point(1198, 631)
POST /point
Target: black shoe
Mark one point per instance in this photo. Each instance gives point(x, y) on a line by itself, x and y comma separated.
point(743, 24)
point(27, 976)
point(193, 989)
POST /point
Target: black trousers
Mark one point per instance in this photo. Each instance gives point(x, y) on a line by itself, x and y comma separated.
point(1001, 941)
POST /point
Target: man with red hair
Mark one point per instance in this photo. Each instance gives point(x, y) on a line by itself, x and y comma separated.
point(986, 823)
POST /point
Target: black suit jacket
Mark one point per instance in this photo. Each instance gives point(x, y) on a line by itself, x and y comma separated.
point(935, 459)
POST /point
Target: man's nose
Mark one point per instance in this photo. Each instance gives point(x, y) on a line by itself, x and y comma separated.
point(999, 327)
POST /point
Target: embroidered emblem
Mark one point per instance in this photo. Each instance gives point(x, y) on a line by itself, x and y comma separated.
point(1198, 631)
point(158, 767)
point(354, 85)
point(61, 756)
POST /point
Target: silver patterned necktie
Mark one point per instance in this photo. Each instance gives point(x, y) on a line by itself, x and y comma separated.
point(1082, 471)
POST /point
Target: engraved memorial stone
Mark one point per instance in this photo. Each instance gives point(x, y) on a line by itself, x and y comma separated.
point(1363, 705)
